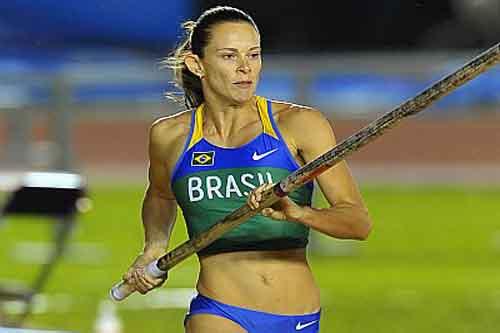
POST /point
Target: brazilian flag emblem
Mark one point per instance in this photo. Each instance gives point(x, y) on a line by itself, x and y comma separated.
point(203, 158)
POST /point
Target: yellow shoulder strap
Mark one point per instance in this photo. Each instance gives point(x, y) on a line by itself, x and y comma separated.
point(198, 127)
point(264, 117)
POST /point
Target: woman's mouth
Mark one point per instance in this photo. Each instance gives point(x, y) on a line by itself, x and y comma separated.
point(243, 84)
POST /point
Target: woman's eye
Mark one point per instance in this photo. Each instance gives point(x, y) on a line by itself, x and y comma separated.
point(228, 56)
point(254, 55)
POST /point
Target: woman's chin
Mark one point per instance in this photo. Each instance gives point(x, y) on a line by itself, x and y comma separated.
point(243, 97)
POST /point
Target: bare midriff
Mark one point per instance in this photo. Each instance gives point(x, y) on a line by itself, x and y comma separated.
point(278, 282)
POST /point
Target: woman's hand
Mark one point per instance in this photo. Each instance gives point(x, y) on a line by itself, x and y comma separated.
point(136, 275)
point(284, 210)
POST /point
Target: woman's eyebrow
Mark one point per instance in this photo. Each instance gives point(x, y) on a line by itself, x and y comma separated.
point(236, 50)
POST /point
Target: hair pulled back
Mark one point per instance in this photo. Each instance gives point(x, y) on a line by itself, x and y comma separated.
point(197, 36)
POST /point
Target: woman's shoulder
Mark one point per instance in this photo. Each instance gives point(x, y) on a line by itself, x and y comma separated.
point(296, 115)
point(169, 132)
point(171, 126)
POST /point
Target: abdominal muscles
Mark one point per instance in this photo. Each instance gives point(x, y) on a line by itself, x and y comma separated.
point(278, 282)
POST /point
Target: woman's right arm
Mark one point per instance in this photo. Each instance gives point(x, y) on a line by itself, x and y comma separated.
point(159, 208)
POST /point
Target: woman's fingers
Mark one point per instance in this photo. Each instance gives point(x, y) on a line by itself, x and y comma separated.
point(255, 197)
point(283, 209)
point(274, 214)
point(141, 282)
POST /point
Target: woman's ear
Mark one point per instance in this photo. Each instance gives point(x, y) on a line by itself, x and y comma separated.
point(194, 65)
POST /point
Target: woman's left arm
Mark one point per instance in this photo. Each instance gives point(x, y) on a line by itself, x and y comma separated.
point(347, 217)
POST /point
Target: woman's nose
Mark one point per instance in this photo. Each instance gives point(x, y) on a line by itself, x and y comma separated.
point(243, 65)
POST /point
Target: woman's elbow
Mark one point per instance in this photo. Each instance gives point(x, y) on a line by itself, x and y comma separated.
point(364, 227)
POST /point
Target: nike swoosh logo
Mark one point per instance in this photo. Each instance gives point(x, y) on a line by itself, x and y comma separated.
point(301, 326)
point(257, 157)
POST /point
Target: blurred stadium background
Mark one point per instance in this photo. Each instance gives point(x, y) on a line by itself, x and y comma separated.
point(80, 84)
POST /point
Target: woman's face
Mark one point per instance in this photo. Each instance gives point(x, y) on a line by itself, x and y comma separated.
point(232, 62)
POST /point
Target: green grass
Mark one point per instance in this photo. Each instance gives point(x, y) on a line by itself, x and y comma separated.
point(432, 264)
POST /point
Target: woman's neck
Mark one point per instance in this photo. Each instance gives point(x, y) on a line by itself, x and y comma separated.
point(223, 118)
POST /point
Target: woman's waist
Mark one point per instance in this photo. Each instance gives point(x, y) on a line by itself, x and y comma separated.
point(270, 281)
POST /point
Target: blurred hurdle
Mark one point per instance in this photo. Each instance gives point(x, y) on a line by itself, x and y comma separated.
point(19, 330)
point(56, 195)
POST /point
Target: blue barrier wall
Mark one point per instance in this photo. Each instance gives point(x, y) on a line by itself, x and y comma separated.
point(151, 23)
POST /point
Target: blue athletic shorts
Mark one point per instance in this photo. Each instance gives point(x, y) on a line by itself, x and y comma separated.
point(255, 321)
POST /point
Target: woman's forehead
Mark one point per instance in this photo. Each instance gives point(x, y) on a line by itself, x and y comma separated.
point(237, 35)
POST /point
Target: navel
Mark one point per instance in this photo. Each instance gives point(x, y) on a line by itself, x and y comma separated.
point(266, 280)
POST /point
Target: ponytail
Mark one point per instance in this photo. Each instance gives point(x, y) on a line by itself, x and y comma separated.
point(183, 77)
